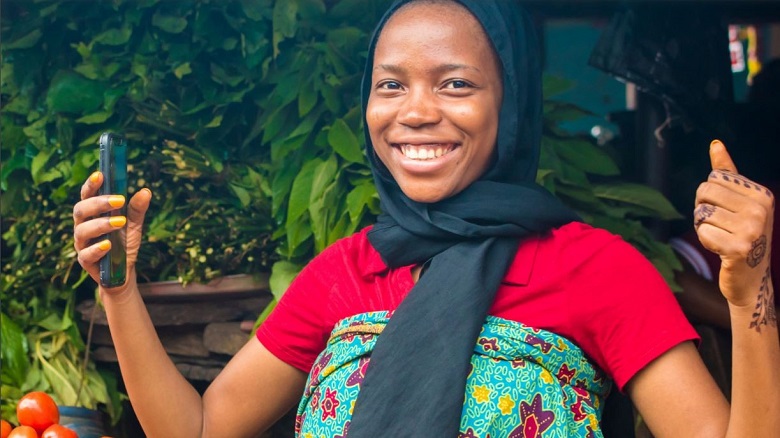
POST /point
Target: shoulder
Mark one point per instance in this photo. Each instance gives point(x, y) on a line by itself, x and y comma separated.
point(354, 254)
point(577, 245)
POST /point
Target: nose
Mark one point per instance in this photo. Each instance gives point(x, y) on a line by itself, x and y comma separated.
point(419, 108)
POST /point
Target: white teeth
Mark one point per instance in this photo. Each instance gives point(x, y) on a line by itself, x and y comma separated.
point(424, 152)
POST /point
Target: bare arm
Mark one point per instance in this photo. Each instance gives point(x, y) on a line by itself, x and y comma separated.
point(674, 393)
point(250, 394)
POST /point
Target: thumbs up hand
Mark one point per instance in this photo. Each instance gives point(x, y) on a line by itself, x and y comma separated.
point(733, 218)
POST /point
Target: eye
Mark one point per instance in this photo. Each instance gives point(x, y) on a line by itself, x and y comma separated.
point(388, 85)
point(457, 83)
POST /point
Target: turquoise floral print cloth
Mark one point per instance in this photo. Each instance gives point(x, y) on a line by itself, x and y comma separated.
point(523, 383)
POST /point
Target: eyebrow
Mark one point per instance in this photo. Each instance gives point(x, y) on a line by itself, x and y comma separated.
point(444, 68)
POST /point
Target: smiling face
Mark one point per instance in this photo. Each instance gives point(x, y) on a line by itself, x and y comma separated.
point(432, 114)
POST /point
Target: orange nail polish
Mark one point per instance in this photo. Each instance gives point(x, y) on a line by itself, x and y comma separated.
point(117, 221)
point(94, 177)
point(116, 201)
point(104, 245)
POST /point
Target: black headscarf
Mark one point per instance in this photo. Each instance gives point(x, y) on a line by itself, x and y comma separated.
point(415, 383)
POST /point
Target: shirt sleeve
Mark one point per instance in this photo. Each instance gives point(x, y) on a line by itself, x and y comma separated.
point(632, 316)
point(296, 330)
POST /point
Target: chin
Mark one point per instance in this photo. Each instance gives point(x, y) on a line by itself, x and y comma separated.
point(424, 196)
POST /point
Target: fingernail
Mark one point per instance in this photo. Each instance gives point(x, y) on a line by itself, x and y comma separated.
point(104, 245)
point(147, 190)
point(117, 221)
point(714, 142)
point(116, 201)
point(94, 177)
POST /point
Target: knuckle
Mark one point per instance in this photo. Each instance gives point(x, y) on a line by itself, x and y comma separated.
point(702, 190)
point(756, 214)
point(78, 212)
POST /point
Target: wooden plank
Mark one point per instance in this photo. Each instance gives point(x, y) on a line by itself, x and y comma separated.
point(233, 285)
point(182, 313)
point(182, 340)
point(224, 337)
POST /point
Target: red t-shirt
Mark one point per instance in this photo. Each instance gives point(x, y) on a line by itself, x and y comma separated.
point(577, 281)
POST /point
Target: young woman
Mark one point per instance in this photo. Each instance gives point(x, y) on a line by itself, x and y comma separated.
point(477, 305)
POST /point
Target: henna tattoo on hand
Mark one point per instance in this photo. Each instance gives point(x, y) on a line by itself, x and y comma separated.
point(764, 313)
point(739, 180)
point(757, 252)
point(702, 213)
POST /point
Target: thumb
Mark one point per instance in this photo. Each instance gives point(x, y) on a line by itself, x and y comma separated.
point(720, 158)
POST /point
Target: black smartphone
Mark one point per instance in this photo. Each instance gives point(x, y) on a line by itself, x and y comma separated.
point(113, 166)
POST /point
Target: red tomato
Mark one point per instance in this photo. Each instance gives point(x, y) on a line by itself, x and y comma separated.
point(37, 410)
point(5, 428)
point(23, 432)
point(59, 431)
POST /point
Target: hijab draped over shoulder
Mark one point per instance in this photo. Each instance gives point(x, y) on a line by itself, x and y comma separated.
point(415, 382)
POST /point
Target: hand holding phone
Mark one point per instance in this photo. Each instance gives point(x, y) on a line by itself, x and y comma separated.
point(113, 166)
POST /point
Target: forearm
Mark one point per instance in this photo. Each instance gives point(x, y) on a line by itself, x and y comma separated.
point(755, 400)
point(158, 392)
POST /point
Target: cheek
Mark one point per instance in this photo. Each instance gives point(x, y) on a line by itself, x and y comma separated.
point(376, 116)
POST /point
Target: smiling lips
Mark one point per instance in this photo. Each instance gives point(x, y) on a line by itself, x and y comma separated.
point(425, 151)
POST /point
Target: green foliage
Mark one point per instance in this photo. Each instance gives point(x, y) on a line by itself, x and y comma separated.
point(243, 118)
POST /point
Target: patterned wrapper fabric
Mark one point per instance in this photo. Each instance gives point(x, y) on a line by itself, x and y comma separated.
point(523, 383)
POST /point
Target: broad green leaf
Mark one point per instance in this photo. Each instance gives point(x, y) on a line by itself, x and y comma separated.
point(14, 350)
point(72, 93)
point(572, 175)
point(274, 124)
point(318, 218)
point(284, 22)
point(37, 167)
point(307, 124)
point(242, 194)
point(298, 234)
point(282, 275)
point(342, 228)
point(215, 122)
point(98, 117)
point(280, 187)
point(638, 194)
point(578, 196)
point(280, 149)
point(169, 23)
point(358, 200)
point(585, 155)
point(12, 136)
point(301, 191)
point(115, 37)
point(15, 162)
point(254, 9)
point(344, 142)
point(25, 42)
point(307, 98)
point(182, 70)
point(344, 37)
point(323, 176)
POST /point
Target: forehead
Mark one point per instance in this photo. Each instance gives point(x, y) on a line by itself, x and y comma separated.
point(434, 27)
